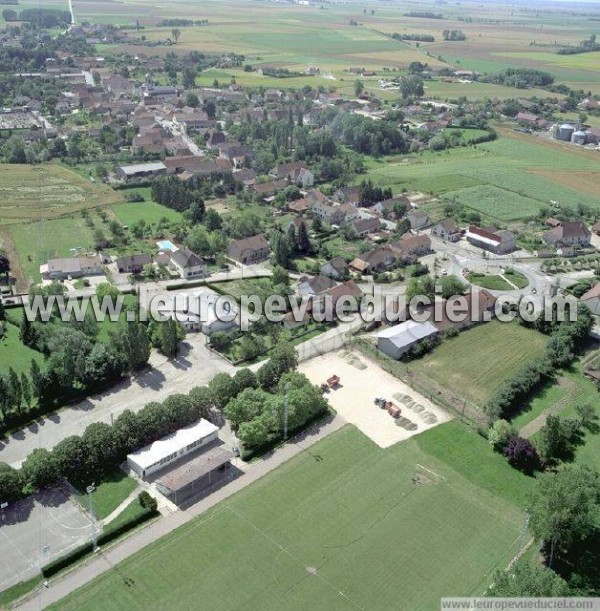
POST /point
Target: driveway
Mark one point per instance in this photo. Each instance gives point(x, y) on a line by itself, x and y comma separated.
point(194, 366)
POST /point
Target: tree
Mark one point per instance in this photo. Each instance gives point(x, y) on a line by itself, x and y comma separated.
point(36, 378)
point(411, 86)
point(212, 220)
point(251, 346)
point(317, 225)
point(2, 311)
point(223, 389)
point(528, 579)
point(558, 439)
point(189, 82)
point(105, 289)
point(280, 276)
point(245, 407)
point(245, 378)
point(358, 88)
point(11, 484)
point(26, 332)
point(564, 506)
point(303, 241)
point(166, 335)
point(176, 33)
point(26, 389)
point(14, 384)
point(4, 264)
point(255, 433)
point(133, 342)
point(292, 241)
point(192, 100)
point(499, 434)
point(284, 358)
point(39, 469)
point(202, 401)
point(521, 454)
point(72, 457)
point(281, 249)
point(221, 340)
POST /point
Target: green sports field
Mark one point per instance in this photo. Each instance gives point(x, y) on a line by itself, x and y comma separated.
point(339, 527)
point(477, 362)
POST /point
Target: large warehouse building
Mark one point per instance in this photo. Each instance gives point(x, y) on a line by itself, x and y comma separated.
point(167, 450)
point(399, 339)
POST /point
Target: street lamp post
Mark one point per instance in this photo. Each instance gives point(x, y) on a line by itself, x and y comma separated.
point(90, 489)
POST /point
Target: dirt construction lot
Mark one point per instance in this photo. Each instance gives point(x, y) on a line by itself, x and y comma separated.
point(361, 381)
point(39, 529)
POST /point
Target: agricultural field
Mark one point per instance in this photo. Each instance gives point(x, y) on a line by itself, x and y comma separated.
point(506, 180)
point(480, 359)
point(33, 192)
point(334, 533)
point(295, 37)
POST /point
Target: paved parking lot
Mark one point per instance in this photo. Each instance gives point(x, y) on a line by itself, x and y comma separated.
point(37, 530)
point(361, 381)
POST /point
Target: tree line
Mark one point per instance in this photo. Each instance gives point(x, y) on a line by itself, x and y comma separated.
point(82, 459)
point(565, 340)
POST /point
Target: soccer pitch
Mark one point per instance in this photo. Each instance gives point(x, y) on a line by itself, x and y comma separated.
point(341, 526)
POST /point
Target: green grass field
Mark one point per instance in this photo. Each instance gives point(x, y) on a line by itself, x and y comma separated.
point(477, 362)
point(110, 493)
point(347, 531)
point(490, 281)
point(37, 242)
point(13, 353)
point(147, 211)
point(570, 388)
point(497, 282)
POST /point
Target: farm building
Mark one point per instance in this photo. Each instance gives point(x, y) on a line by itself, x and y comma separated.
point(142, 170)
point(494, 240)
point(167, 450)
point(399, 339)
point(574, 233)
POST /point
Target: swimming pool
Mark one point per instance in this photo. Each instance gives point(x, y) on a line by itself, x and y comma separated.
point(166, 245)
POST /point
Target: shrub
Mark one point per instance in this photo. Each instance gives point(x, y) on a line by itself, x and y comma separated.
point(147, 501)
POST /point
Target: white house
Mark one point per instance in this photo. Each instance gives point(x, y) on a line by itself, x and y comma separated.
point(188, 264)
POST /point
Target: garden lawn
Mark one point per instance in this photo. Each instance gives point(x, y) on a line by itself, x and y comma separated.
point(15, 354)
point(110, 493)
point(148, 211)
point(489, 281)
point(477, 362)
point(340, 527)
point(36, 243)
